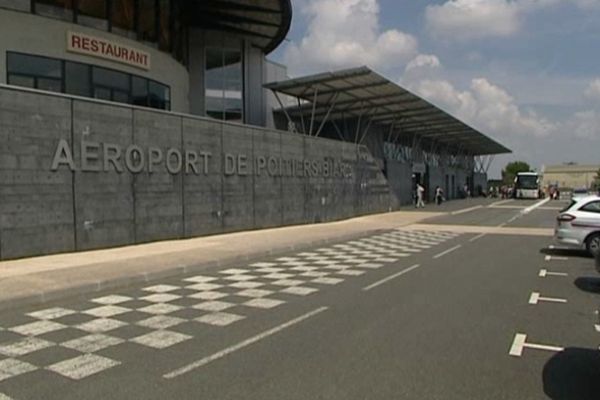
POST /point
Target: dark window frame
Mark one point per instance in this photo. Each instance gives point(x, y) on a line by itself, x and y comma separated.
point(597, 211)
point(90, 78)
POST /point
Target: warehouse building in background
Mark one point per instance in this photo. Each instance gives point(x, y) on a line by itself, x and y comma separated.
point(129, 121)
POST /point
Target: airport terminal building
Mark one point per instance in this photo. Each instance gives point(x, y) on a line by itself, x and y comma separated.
point(128, 121)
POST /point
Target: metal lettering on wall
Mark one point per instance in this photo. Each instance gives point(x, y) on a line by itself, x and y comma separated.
point(107, 157)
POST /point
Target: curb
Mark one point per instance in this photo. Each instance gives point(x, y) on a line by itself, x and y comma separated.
point(83, 290)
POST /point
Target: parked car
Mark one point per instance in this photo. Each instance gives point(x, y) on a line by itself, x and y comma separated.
point(578, 225)
point(579, 193)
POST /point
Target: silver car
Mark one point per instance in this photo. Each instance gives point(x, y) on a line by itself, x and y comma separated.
point(578, 225)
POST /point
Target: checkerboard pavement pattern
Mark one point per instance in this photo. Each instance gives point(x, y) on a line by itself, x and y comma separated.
point(82, 339)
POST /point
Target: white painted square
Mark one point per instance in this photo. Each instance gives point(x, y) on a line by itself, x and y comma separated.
point(10, 368)
point(200, 279)
point(288, 259)
point(327, 262)
point(370, 265)
point(350, 272)
point(328, 281)
point(160, 308)
point(4, 397)
point(219, 319)
point(83, 366)
point(161, 339)
point(161, 322)
point(314, 274)
point(304, 269)
point(106, 311)
point(100, 325)
point(51, 313)
point(263, 303)
point(246, 285)
point(112, 299)
point(357, 261)
point(213, 306)
point(161, 288)
point(269, 270)
point(161, 297)
point(208, 295)
point(386, 259)
point(92, 343)
point(287, 282)
point(294, 263)
point(239, 278)
point(277, 276)
point(299, 290)
point(37, 328)
point(254, 293)
point(24, 346)
point(307, 254)
point(337, 267)
point(204, 286)
point(263, 264)
point(234, 271)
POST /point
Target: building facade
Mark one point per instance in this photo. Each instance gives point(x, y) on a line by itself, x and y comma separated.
point(570, 176)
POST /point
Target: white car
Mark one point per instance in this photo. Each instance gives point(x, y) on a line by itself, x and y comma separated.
point(578, 225)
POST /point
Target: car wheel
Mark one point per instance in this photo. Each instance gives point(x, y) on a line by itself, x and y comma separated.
point(593, 244)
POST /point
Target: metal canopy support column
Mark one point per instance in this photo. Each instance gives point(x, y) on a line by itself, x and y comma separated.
point(331, 107)
point(489, 163)
point(290, 121)
point(301, 116)
point(314, 109)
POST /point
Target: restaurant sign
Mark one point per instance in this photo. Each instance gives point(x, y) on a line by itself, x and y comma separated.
point(99, 47)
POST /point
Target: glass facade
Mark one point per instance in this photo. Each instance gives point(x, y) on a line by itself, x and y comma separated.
point(158, 23)
point(224, 82)
point(85, 80)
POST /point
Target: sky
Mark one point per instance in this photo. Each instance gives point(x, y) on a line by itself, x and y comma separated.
point(524, 72)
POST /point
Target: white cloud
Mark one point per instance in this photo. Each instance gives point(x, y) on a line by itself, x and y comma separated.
point(487, 107)
point(475, 19)
point(592, 92)
point(346, 33)
point(423, 61)
point(583, 124)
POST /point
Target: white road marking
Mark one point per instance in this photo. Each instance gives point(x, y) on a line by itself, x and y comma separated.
point(389, 278)
point(37, 328)
point(450, 250)
point(262, 302)
point(519, 343)
point(4, 397)
point(544, 273)
point(597, 327)
point(92, 343)
point(500, 202)
point(536, 205)
point(550, 258)
point(10, 368)
point(161, 339)
point(51, 313)
point(219, 318)
point(83, 366)
point(535, 298)
point(466, 210)
point(24, 346)
point(477, 237)
point(241, 345)
point(100, 325)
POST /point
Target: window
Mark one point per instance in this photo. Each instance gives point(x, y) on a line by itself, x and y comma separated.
point(92, 13)
point(85, 80)
point(34, 72)
point(224, 84)
point(62, 9)
point(593, 207)
point(123, 17)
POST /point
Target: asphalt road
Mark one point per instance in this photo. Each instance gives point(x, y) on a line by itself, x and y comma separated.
point(398, 315)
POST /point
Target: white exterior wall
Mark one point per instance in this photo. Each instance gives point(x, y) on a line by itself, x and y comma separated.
point(37, 35)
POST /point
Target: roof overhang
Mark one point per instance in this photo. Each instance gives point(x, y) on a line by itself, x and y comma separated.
point(265, 23)
point(362, 93)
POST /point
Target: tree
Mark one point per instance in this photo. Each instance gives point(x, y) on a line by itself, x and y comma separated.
point(512, 168)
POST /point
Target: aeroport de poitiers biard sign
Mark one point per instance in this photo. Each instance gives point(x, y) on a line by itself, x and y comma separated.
point(107, 157)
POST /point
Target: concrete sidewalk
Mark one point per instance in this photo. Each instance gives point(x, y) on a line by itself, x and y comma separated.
point(40, 279)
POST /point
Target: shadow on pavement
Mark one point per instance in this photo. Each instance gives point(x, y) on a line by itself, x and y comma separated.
point(588, 284)
point(573, 374)
point(565, 252)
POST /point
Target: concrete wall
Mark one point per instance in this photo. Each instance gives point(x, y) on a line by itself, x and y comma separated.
point(43, 36)
point(233, 182)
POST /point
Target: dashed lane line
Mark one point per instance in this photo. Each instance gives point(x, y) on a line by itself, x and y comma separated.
point(206, 360)
point(466, 210)
point(450, 250)
point(545, 273)
point(477, 237)
point(556, 258)
point(520, 343)
point(389, 278)
point(536, 205)
point(535, 298)
point(497, 203)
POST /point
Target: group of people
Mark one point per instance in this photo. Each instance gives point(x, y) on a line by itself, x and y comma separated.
point(420, 196)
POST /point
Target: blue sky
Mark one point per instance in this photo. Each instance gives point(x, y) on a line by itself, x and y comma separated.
point(525, 72)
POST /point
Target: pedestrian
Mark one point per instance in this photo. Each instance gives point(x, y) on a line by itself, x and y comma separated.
point(439, 195)
point(420, 194)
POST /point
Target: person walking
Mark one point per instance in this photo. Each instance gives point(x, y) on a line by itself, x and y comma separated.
point(420, 194)
point(439, 195)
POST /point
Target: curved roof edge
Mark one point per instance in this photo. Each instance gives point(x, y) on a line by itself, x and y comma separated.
point(284, 28)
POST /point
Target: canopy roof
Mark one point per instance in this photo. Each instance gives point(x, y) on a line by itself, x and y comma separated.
point(362, 93)
point(264, 22)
